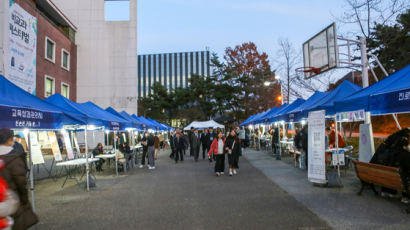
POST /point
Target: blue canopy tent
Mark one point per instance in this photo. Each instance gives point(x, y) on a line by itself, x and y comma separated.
point(93, 114)
point(21, 110)
point(395, 98)
point(391, 91)
point(255, 117)
point(296, 114)
point(158, 125)
point(281, 116)
point(246, 121)
point(345, 89)
point(142, 125)
point(145, 121)
point(135, 124)
point(271, 113)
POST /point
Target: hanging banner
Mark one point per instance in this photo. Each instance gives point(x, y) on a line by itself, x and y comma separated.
point(316, 147)
point(68, 148)
point(54, 146)
point(22, 48)
point(350, 116)
point(36, 155)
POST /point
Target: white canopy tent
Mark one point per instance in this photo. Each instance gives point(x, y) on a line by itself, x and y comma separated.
point(204, 124)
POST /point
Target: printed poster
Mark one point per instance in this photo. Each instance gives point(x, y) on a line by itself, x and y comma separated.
point(22, 42)
point(76, 146)
point(36, 155)
point(54, 146)
point(69, 149)
point(316, 147)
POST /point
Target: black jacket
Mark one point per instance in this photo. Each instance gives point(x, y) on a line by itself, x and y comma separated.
point(212, 137)
point(14, 173)
point(151, 140)
point(97, 151)
point(179, 143)
point(205, 139)
point(20, 149)
point(125, 149)
point(229, 142)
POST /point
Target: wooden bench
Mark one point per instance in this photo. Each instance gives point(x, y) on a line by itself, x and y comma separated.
point(380, 175)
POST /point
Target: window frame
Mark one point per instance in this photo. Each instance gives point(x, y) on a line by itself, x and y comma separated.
point(53, 86)
point(68, 59)
point(68, 89)
point(53, 60)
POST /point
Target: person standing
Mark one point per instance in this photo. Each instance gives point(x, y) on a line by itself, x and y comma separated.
point(217, 151)
point(14, 173)
point(332, 138)
point(171, 142)
point(156, 146)
point(144, 142)
point(185, 136)
point(232, 148)
point(196, 144)
point(191, 135)
point(205, 142)
point(179, 145)
point(151, 151)
point(212, 137)
point(19, 147)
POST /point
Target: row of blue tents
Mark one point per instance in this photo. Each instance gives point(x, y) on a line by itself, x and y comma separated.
point(21, 110)
point(390, 95)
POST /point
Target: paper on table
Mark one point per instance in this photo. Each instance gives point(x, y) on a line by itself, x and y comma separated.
point(69, 149)
point(35, 150)
point(54, 146)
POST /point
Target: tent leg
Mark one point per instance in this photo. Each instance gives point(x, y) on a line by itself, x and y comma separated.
point(86, 157)
point(31, 173)
point(397, 121)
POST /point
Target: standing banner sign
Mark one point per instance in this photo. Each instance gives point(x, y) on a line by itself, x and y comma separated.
point(36, 155)
point(366, 144)
point(22, 42)
point(77, 147)
point(316, 147)
point(68, 148)
point(54, 146)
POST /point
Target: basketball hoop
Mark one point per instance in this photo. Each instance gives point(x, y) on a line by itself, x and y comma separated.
point(308, 69)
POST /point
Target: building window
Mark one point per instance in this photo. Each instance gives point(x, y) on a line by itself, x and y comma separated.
point(49, 86)
point(117, 10)
point(50, 50)
point(65, 90)
point(65, 59)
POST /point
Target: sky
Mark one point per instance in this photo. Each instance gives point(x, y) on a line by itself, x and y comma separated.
point(193, 25)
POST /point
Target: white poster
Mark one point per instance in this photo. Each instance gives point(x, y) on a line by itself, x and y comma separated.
point(76, 146)
point(36, 155)
point(366, 144)
point(316, 147)
point(22, 48)
point(54, 146)
point(68, 148)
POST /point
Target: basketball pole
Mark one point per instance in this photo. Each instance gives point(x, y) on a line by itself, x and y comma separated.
point(365, 83)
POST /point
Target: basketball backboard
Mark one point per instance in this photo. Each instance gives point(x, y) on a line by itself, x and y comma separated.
point(320, 53)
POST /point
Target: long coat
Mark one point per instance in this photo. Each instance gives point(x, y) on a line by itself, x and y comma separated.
point(14, 173)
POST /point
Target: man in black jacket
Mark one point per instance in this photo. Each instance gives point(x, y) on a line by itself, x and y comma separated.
point(196, 144)
point(179, 145)
point(19, 147)
point(144, 143)
point(190, 135)
point(171, 142)
point(205, 142)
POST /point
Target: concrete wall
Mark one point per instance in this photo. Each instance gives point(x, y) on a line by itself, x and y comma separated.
point(106, 54)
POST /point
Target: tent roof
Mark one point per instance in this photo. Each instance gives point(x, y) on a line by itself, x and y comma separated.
point(343, 90)
point(281, 115)
point(270, 113)
point(296, 113)
point(135, 123)
point(388, 87)
point(13, 97)
point(204, 124)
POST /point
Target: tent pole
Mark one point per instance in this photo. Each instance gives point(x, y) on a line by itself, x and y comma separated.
point(396, 120)
point(115, 152)
point(337, 147)
point(31, 173)
point(86, 159)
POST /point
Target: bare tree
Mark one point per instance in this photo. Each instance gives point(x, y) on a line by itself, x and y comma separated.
point(296, 86)
point(365, 13)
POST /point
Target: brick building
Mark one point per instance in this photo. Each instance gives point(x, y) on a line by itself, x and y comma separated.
point(56, 64)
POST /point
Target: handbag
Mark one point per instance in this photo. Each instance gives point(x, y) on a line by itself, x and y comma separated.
point(233, 145)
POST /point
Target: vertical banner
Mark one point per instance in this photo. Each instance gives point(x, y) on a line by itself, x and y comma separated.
point(316, 147)
point(54, 146)
point(22, 48)
point(76, 146)
point(68, 148)
point(366, 145)
point(36, 155)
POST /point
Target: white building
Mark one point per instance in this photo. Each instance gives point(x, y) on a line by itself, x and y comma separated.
point(106, 54)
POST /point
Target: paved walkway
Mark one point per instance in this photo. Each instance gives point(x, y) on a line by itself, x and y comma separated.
point(341, 208)
point(174, 196)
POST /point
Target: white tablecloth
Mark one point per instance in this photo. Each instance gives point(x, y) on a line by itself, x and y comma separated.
point(287, 142)
point(106, 156)
point(79, 161)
